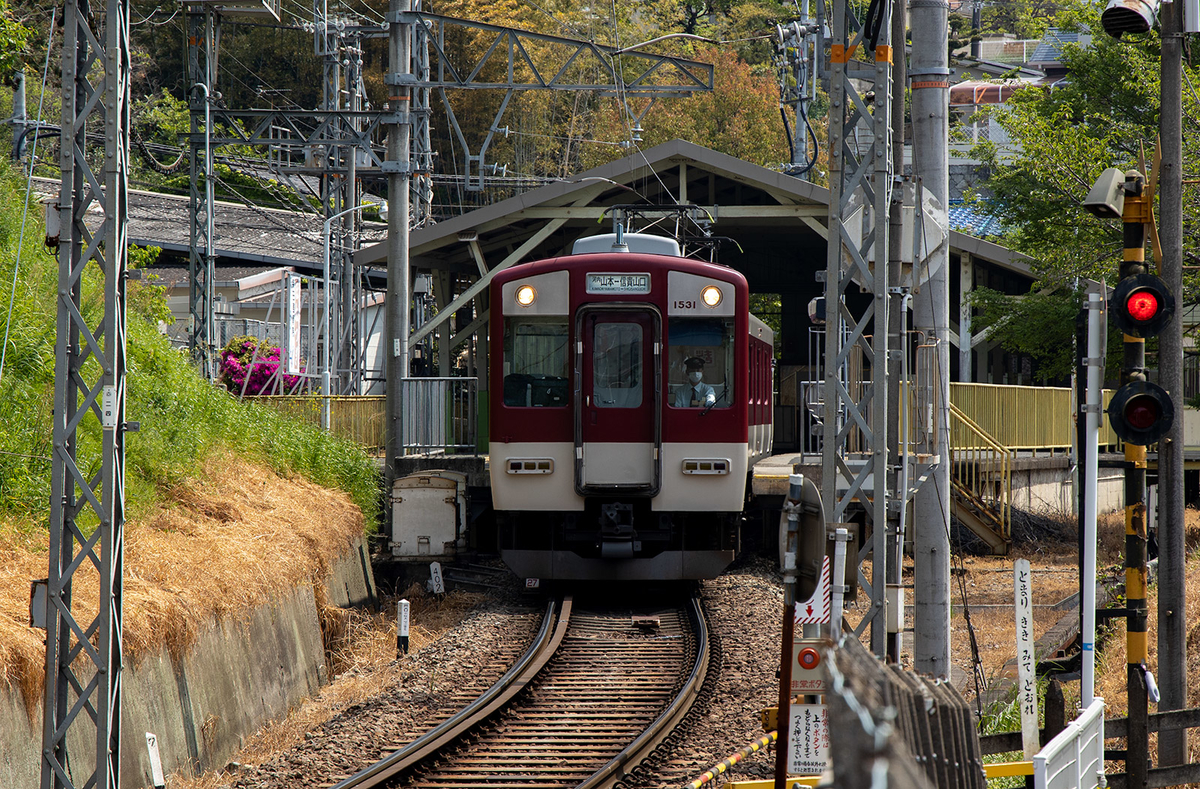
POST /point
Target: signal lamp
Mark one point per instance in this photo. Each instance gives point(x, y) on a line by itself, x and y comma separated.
point(1141, 413)
point(1141, 305)
point(711, 295)
point(526, 295)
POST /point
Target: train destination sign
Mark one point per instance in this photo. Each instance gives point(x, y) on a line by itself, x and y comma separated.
point(618, 283)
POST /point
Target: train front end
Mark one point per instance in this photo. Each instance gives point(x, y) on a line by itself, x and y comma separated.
point(609, 461)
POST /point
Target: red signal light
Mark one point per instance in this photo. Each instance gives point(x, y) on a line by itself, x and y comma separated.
point(1142, 412)
point(1142, 306)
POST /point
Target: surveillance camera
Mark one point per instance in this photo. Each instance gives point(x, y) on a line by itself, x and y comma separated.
point(1107, 197)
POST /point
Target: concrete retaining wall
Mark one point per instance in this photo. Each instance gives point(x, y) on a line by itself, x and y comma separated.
point(1046, 486)
point(238, 676)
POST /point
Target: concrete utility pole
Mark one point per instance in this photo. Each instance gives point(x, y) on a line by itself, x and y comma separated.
point(399, 80)
point(930, 80)
point(1172, 622)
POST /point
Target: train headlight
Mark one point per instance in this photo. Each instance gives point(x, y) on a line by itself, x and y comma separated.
point(526, 294)
point(711, 295)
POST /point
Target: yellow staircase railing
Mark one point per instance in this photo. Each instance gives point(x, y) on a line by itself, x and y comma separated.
point(981, 478)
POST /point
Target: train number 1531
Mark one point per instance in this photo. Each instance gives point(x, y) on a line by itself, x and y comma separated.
point(683, 304)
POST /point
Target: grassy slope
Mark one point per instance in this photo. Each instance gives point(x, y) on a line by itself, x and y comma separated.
point(184, 420)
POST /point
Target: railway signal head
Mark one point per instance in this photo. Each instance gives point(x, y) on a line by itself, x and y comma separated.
point(1141, 305)
point(1141, 413)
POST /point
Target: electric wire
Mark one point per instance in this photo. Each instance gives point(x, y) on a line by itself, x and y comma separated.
point(12, 298)
point(146, 19)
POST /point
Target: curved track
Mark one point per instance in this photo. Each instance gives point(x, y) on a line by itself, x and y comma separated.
point(590, 699)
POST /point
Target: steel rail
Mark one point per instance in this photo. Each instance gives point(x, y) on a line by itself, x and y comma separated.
point(514, 680)
point(641, 748)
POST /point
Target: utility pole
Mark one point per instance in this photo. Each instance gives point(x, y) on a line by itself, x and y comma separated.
point(399, 80)
point(1172, 621)
point(930, 81)
point(83, 655)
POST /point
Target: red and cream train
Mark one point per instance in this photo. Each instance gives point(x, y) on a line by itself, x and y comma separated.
point(607, 462)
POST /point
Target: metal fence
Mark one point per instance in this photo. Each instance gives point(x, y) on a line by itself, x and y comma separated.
point(1025, 417)
point(440, 415)
point(1075, 758)
point(358, 419)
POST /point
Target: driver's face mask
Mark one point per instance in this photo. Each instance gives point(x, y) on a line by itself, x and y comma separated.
point(694, 376)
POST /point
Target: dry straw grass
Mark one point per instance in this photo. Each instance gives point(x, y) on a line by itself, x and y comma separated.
point(364, 659)
point(1111, 665)
point(218, 546)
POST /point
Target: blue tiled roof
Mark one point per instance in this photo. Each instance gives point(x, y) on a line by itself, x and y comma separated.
point(1050, 48)
point(972, 220)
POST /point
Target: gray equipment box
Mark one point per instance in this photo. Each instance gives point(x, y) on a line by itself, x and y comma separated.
point(429, 516)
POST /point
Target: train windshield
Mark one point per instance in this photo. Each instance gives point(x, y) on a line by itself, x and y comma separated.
point(704, 346)
point(536, 362)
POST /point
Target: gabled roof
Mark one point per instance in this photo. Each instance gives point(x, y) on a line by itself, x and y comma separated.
point(1048, 53)
point(778, 221)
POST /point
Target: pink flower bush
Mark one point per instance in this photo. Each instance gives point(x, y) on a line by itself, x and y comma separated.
point(241, 370)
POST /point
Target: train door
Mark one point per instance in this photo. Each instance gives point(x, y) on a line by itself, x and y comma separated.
point(618, 404)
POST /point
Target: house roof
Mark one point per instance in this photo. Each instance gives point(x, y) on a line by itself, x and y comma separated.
point(1048, 53)
point(243, 235)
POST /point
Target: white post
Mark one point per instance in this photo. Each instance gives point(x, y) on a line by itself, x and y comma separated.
point(1026, 674)
point(402, 627)
point(1095, 369)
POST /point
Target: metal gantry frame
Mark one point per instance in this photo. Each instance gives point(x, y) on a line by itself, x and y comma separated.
point(87, 505)
point(861, 190)
point(347, 134)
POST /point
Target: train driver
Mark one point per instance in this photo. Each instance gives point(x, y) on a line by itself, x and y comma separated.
point(697, 394)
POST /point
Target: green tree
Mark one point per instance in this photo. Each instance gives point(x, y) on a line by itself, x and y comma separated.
point(1105, 114)
point(739, 117)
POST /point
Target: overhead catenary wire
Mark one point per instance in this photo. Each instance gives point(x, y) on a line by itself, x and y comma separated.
point(12, 297)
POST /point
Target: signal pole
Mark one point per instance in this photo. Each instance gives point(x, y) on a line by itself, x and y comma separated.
point(1134, 218)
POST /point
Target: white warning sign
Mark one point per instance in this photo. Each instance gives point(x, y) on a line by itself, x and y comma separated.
point(808, 739)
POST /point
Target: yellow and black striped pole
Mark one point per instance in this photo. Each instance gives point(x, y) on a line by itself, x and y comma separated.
point(1135, 217)
point(754, 747)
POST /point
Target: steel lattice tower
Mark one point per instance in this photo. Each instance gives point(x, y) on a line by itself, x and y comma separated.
point(87, 509)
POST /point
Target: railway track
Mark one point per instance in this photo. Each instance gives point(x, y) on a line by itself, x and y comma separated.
point(593, 696)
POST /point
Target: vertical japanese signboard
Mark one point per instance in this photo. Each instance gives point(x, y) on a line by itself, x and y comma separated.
point(292, 307)
point(808, 739)
point(1026, 676)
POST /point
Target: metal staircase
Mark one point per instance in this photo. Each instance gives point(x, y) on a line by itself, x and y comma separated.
point(981, 482)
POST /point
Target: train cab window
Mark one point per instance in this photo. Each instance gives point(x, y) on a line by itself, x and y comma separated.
point(536, 362)
point(705, 346)
point(617, 365)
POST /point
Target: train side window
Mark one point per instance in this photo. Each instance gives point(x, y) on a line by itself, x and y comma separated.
point(711, 341)
point(536, 362)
